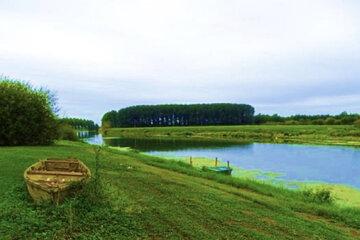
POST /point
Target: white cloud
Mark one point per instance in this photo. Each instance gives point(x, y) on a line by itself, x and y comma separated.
point(141, 51)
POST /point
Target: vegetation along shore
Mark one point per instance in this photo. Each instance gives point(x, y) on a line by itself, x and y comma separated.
point(347, 135)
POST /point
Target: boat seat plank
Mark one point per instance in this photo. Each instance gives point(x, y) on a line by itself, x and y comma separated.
point(55, 173)
point(61, 161)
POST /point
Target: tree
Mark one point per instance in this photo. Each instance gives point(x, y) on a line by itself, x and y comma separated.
point(180, 115)
point(26, 114)
point(343, 118)
point(80, 124)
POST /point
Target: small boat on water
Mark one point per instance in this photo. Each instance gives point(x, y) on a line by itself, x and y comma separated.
point(223, 170)
point(51, 180)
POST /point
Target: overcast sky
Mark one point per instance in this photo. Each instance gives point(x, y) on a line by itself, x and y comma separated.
point(281, 56)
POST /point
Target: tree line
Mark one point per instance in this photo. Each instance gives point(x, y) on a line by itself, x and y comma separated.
point(80, 124)
point(341, 119)
point(180, 115)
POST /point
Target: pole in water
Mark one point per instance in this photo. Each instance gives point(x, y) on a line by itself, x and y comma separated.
point(216, 162)
point(228, 164)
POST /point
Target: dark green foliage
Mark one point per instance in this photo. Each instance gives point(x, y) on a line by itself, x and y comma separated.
point(318, 196)
point(26, 115)
point(110, 119)
point(357, 123)
point(80, 124)
point(263, 118)
point(341, 119)
point(67, 132)
point(180, 115)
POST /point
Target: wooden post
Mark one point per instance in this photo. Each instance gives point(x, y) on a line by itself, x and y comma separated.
point(216, 162)
point(191, 162)
point(228, 164)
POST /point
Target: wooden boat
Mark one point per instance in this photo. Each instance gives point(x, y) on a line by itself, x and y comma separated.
point(223, 170)
point(52, 180)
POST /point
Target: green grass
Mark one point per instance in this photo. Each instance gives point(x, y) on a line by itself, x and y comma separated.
point(342, 194)
point(151, 198)
point(312, 134)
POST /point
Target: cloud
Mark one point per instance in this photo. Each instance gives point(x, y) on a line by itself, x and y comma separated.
point(102, 55)
point(316, 105)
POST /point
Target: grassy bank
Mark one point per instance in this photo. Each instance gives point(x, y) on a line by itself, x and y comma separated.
point(342, 195)
point(312, 134)
point(152, 198)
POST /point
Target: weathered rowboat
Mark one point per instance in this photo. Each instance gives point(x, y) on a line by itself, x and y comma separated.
point(51, 180)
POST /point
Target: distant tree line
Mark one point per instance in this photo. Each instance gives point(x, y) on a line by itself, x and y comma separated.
point(80, 124)
point(180, 115)
point(340, 119)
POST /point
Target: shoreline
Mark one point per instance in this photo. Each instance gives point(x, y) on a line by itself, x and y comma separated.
point(327, 135)
point(344, 195)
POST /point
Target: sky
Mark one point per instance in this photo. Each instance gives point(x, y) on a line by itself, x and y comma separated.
point(281, 56)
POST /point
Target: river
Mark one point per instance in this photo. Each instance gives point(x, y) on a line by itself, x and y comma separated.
point(291, 162)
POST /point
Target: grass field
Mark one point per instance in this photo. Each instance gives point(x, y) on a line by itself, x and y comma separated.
point(151, 198)
point(312, 134)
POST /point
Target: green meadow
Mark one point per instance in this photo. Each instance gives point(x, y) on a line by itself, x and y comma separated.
point(146, 197)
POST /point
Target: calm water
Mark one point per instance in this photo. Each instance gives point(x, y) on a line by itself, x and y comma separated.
point(329, 164)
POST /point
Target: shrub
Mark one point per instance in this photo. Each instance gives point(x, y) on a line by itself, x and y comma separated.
point(26, 115)
point(105, 127)
point(318, 122)
point(291, 122)
point(337, 122)
point(330, 121)
point(67, 132)
point(357, 123)
point(318, 196)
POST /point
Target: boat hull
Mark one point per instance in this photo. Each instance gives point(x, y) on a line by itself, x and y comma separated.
point(50, 181)
point(220, 170)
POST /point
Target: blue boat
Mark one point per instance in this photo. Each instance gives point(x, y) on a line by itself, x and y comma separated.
point(223, 170)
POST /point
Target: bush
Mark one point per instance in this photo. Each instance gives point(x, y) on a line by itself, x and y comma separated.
point(318, 122)
point(67, 132)
point(357, 123)
point(291, 122)
point(318, 196)
point(26, 115)
point(330, 121)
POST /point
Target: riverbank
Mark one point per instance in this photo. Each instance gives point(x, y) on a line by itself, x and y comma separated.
point(343, 195)
point(345, 135)
point(153, 198)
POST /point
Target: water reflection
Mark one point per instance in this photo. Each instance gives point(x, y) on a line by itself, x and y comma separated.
point(91, 137)
point(160, 144)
